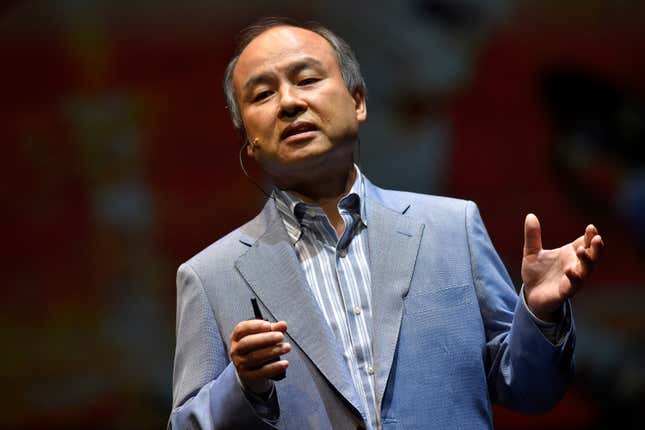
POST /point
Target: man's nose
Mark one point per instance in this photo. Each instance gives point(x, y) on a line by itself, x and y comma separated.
point(291, 104)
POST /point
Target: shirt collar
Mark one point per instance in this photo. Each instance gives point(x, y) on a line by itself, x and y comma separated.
point(292, 210)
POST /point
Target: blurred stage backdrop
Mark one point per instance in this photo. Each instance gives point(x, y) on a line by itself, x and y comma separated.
point(120, 162)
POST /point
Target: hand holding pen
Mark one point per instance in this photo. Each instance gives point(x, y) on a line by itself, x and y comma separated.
point(256, 347)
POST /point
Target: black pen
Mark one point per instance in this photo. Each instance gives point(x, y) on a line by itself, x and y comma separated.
point(256, 309)
point(258, 316)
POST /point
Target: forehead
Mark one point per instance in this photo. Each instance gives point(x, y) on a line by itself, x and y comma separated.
point(279, 46)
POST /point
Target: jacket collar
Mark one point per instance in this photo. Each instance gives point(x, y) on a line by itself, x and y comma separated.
point(272, 270)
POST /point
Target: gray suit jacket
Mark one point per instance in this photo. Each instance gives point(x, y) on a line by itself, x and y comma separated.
point(450, 335)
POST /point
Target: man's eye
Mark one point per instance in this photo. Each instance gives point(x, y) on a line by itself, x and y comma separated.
point(308, 81)
point(261, 96)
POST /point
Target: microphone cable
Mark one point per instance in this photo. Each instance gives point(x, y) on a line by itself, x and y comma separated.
point(249, 176)
point(259, 187)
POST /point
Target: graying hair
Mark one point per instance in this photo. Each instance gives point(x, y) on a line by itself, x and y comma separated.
point(347, 62)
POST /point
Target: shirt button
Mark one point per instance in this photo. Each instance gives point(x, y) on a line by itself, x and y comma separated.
point(370, 370)
point(342, 252)
point(357, 310)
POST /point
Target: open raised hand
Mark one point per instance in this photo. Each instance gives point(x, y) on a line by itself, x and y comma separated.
point(551, 276)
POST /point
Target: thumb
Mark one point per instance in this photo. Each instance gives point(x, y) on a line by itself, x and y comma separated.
point(279, 326)
point(532, 235)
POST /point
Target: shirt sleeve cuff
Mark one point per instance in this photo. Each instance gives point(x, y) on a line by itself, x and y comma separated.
point(265, 404)
point(554, 332)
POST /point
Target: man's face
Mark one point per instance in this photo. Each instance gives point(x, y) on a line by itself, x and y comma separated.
point(297, 112)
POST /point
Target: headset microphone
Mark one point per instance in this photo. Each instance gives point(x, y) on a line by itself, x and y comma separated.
point(253, 145)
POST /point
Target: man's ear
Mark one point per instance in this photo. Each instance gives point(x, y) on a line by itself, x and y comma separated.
point(250, 149)
point(360, 103)
point(247, 142)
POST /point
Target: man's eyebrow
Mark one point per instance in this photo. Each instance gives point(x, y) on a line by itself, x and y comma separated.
point(305, 63)
point(292, 69)
point(256, 80)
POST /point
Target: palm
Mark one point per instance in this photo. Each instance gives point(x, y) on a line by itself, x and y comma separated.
point(551, 276)
point(544, 276)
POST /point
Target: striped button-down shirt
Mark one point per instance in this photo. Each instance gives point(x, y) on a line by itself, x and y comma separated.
point(338, 273)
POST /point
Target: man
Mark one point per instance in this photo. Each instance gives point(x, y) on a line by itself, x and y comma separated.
point(387, 309)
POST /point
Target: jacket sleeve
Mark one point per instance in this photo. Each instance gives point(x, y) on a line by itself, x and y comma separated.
point(525, 371)
point(206, 392)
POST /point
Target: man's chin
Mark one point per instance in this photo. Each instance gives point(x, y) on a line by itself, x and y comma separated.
point(305, 152)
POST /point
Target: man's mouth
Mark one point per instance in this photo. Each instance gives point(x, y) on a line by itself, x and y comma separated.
point(297, 127)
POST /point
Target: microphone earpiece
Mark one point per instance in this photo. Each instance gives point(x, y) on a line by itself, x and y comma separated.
point(252, 144)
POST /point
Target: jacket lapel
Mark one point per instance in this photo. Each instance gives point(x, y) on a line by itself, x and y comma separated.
point(273, 271)
point(394, 241)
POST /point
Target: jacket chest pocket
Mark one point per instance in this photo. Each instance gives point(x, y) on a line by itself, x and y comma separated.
point(439, 299)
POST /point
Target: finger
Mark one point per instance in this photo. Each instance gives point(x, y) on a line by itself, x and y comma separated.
point(532, 235)
point(256, 341)
point(279, 326)
point(585, 262)
point(246, 328)
point(260, 357)
point(267, 371)
point(590, 232)
point(573, 283)
point(595, 250)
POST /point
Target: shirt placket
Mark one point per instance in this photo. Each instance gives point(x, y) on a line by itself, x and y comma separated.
point(353, 334)
point(355, 316)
